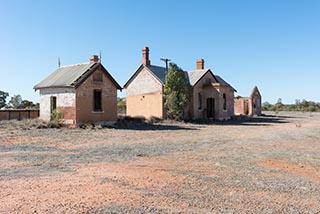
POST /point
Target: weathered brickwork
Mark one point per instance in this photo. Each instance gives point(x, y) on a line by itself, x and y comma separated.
point(249, 105)
point(208, 99)
point(84, 100)
point(204, 90)
point(83, 92)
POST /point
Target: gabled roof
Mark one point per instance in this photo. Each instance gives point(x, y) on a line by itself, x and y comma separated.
point(196, 75)
point(72, 76)
point(193, 77)
point(157, 71)
point(255, 90)
point(223, 82)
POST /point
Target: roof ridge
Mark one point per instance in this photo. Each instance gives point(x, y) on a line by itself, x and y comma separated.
point(78, 64)
point(205, 69)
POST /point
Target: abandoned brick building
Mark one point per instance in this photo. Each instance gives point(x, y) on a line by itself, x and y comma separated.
point(83, 92)
point(211, 96)
point(249, 105)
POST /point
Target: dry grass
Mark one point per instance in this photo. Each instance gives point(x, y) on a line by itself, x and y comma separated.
point(261, 165)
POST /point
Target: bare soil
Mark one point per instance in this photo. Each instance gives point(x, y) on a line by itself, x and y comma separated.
point(268, 164)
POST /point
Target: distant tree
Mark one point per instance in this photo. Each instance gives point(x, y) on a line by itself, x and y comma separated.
point(121, 105)
point(279, 105)
point(15, 102)
point(304, 105)
point(176, 92)
point(28, 104)
point(267, 106)
point(3, 97)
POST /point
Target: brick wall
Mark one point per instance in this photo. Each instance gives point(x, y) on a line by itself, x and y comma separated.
point(84, 100)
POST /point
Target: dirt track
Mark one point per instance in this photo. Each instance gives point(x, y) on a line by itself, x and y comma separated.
point(263, 165)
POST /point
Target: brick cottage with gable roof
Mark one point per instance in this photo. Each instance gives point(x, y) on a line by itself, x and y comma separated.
point(83, 92)
point(211, 96)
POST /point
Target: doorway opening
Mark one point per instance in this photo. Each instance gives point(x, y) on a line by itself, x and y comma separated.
point(210, 107)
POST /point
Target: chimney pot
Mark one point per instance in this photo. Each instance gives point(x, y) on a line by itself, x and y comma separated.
point(145, 56)
point(200, 64)
point(94, 58)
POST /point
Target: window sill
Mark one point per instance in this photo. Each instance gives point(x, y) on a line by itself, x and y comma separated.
point(97, 112)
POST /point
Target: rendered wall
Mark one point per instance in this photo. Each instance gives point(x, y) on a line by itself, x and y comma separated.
point(144, 96)
point(145, 105)
point(65, 101)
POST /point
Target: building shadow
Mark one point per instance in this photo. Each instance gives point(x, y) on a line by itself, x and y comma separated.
point(141, 124)
point(263, 120)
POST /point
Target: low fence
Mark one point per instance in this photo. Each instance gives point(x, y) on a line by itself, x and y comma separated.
point(18, 114)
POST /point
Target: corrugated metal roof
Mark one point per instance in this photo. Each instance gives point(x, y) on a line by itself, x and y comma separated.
point(64, 76)
point(159, 72)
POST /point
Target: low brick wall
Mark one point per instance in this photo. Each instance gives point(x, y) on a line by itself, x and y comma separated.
point(18, 114)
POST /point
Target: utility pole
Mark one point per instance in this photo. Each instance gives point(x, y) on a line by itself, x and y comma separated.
point(166, 60)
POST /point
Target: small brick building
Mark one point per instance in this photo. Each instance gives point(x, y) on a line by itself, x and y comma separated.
point(83, 92)
point(249, 105)
point(211, 96)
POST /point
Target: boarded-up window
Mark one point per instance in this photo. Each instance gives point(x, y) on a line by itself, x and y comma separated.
point(224, 102)
point(97, 78)
point(97, 100)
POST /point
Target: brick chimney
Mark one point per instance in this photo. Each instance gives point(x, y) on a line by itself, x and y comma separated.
point(200, 64)
point(145, 56)
point(94, 58)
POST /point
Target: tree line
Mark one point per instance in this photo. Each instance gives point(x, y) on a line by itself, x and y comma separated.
point(15, 102)
point(300, 105)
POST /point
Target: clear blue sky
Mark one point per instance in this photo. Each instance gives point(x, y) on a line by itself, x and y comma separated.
point(274, 44)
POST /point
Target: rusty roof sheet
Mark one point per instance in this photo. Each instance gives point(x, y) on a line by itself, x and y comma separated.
point(65, 76)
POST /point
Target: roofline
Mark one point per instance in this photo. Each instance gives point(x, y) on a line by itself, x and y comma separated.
point(67, 86)
point(255, 89)
point(208, 70)
point(93, 69)
point(132, 76)
point(136, 73)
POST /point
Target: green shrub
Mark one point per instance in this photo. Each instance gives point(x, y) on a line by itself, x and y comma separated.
point(56, 117)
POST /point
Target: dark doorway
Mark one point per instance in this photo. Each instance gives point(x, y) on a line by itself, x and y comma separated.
point(53, 104)
point(210, 107)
